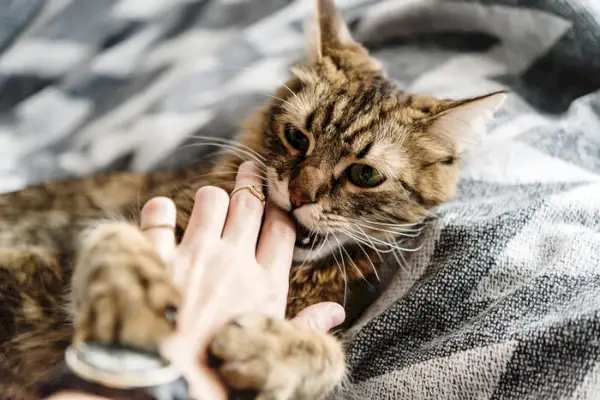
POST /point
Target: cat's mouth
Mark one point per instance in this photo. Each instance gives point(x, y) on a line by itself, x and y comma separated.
point(307, 239)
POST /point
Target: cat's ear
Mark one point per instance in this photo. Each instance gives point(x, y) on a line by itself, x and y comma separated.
point(463, 122)
point(325, 31)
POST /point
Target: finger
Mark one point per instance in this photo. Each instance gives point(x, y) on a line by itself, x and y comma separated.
point(207, 385)
point(157, 221)
point(203, 230)
point(207, 219)
point(73, 395)
point(245, 211)
point(321, 316)
point(275, 248)
point(203, 382)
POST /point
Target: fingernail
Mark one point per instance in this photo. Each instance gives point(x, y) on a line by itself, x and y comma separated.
point(162, 207)
point(338, 315)
point(334, 316)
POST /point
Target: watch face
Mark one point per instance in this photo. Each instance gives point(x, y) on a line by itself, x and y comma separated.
point(120, 367)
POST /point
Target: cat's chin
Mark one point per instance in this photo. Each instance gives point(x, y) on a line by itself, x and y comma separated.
point(306, 239)
point(306, 255)
point(321, 247)
point(310, 245)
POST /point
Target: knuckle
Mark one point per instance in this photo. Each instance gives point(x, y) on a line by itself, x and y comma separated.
point(246, 201)
point(247, 167)
point(212, 194)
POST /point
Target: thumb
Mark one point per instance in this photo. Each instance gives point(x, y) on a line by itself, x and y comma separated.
point(322, 316)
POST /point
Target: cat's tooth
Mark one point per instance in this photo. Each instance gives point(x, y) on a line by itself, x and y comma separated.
point(306, 240)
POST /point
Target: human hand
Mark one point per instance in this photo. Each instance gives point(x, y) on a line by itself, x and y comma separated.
point(224, 269)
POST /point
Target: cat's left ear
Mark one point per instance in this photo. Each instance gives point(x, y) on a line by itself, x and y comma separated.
point(326, 31)
point(463, 122)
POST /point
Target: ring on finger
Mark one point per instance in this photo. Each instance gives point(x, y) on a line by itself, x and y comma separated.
point(255, 190)
point(159, 226)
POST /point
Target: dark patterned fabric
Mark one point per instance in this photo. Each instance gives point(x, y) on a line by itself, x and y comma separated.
point(503, 299)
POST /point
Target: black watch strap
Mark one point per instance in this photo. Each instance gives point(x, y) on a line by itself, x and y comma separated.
point(117, 373)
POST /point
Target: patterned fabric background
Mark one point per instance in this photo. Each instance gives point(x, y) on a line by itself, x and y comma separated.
point(502, 302)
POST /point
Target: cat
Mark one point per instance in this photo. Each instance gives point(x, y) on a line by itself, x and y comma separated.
point(350, 156)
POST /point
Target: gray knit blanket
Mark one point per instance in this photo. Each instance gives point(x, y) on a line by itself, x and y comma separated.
point(503, 299)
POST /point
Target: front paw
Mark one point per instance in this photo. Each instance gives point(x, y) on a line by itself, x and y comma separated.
point(133, 303)
point(277, 359)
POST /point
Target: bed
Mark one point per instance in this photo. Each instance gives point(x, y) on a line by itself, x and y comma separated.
point(503, 299)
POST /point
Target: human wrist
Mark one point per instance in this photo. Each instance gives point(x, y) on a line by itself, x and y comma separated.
point(114, 372)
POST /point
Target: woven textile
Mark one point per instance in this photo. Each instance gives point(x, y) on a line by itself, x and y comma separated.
point(503, 299)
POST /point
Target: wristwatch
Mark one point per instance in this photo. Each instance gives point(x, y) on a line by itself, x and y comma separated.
point(116, 372)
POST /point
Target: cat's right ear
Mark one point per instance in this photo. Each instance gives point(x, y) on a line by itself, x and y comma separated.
point(325, 31)
point(464, 121)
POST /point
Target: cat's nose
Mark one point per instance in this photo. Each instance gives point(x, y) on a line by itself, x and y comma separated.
point(298, 199)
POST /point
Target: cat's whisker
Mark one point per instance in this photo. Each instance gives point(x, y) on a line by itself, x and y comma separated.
point(372, 244)
point(288, 88)
point(217, 153)
point(225, 173)
point(345, 276)
point(218, 174)
point(292, 106)
point(397, 254)
point(396, 246)
point(264, 185)
point(410, 250)
point(369, 244)
point(234, 142)
point(430, 215)
point(279, 81)
point(406, 233)
point(389, 244)
point(250, 69)
point(401, 254)
point(235, 149)
point(309, 252)
point(323, 244)
point(230, 142)
point(226, 146)
point(402, 266)
point(395, 225)
point(351, 260)
point(349, 234)
point(233, 166)
point(396, 251)
point(342, 270)
point(221, 152)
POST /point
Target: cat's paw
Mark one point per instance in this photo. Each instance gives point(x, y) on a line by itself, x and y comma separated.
point(126, 298)
point(277, 359)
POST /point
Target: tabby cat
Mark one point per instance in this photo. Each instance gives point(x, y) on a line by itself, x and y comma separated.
point(353, 159)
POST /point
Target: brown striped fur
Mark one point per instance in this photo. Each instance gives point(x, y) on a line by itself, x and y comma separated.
point(73, 233)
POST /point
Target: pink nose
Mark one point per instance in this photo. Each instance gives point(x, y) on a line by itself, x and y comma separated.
point(299, 199)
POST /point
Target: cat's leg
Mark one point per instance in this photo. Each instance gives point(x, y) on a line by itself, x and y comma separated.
point(31, 288)
point(120, 288)
point(34, 327)
point(278, 359)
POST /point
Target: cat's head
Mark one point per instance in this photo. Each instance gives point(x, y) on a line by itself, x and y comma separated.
point(349, 154)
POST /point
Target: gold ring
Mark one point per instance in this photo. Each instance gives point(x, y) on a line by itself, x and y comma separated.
point(255, 190)
point(161, 226)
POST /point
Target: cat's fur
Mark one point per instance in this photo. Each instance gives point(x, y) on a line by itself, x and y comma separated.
point(66, 233)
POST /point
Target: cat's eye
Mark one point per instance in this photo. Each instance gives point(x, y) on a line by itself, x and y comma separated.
point(364, 176)
point(296, 138)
